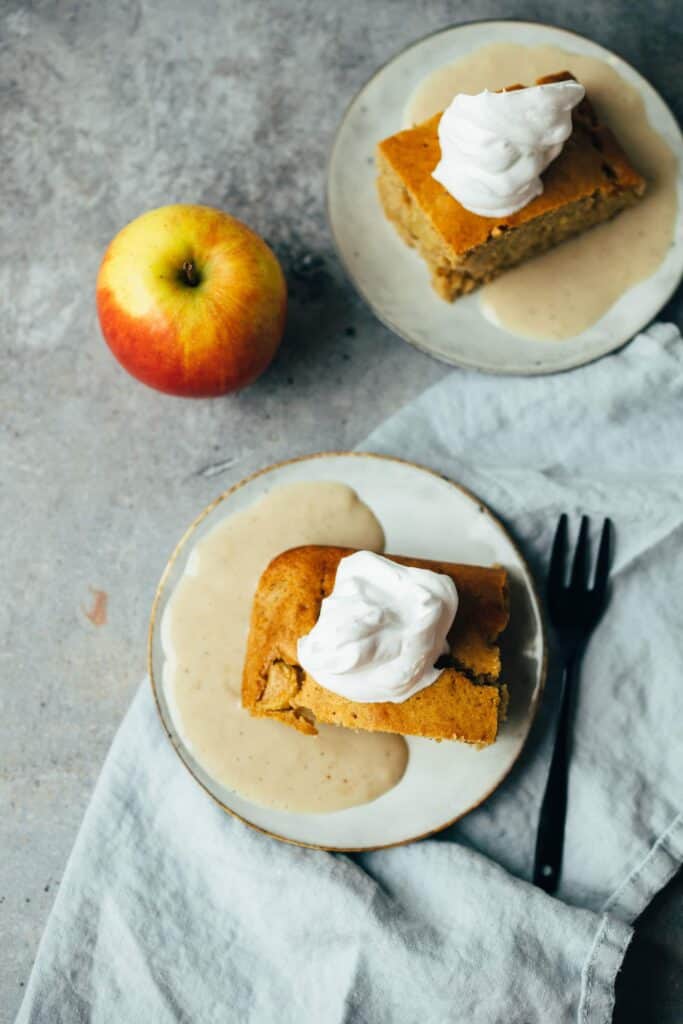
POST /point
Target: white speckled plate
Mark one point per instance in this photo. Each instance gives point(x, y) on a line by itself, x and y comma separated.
point(424, 515)
point(394, 280)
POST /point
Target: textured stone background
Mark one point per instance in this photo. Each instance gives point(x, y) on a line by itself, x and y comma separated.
point(108, 109)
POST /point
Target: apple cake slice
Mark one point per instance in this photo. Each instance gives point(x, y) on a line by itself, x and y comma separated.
point(590, 181)
point(466, 702)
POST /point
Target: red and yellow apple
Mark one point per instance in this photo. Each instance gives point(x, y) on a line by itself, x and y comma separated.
point(191, 301)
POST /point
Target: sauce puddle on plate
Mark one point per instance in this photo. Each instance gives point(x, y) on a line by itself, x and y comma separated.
point(204, 633)
point(560, 294)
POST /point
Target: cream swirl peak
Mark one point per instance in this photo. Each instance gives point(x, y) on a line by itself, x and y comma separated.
point(496, 145)
point(380, 631)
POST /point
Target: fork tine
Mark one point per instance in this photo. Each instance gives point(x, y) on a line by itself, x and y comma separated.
point(602, 566)
point(558, 556)
point(580, 566)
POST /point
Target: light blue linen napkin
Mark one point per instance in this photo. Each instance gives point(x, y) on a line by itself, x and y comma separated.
point(170, 911)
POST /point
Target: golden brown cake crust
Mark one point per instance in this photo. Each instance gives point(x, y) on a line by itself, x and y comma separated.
point(465, 702)
point(590, 180)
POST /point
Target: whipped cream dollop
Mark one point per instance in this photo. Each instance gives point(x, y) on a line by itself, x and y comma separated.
point(380, 631)
point(496, 145)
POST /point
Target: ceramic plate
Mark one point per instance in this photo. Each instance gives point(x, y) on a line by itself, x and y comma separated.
point(394, 280)
point(423, 515)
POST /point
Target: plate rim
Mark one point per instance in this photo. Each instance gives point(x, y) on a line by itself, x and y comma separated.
point(463, 363)
point(532, 586)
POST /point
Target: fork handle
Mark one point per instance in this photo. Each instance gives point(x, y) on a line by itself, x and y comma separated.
point(550, 836)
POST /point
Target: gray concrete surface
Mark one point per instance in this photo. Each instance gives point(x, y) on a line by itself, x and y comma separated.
point(108, 109)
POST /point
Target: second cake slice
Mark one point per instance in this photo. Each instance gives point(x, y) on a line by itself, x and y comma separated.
point(589, 182)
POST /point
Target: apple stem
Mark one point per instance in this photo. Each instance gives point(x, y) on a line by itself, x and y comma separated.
point(190, 274)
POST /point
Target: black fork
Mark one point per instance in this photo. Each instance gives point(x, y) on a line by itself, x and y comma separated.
point(575, 610)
